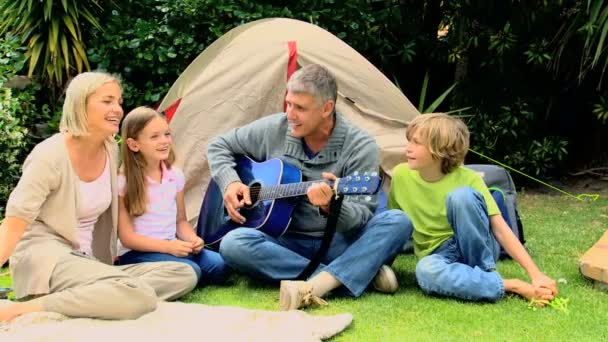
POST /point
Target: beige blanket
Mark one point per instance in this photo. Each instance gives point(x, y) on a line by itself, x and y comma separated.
point(177, 322)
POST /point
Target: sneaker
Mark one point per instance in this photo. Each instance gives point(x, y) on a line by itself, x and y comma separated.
point(385, 280)
point(295, 294)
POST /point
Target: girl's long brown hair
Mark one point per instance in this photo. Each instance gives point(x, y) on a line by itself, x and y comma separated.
point(133, 163)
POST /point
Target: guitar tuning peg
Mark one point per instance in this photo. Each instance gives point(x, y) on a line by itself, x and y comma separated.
point(355, 189)
point(374, 174)
point(363, 189)
point(349, 178)
point(368, 198)
point(356, 173)
point(365, 173)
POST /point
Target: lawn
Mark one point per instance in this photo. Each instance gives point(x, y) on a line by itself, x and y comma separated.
point(558, 230)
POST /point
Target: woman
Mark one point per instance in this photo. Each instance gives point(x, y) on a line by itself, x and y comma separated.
point(61, 220)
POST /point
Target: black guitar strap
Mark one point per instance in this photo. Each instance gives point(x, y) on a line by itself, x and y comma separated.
point(330, 229)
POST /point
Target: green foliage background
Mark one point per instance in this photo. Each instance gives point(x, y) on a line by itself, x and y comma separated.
point(52, 30)
point(528, 73)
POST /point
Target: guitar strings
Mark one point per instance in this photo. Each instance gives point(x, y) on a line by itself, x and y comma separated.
point(269, 189)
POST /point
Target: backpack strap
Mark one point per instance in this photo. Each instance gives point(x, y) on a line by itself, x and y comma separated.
point(501, 201)
point(495, 188)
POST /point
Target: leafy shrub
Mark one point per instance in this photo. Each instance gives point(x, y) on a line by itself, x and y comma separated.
point(52, 30)
point(12, 144)
point(12, 57)
point(507, 136)
point(12, 132)
point(600, 109)
point(23, 122)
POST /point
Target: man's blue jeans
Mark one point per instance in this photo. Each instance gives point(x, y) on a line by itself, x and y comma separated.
point(208, 265)
point(353, 258)
point(465, 265)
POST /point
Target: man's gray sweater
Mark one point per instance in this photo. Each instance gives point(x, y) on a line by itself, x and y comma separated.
point(349, 149)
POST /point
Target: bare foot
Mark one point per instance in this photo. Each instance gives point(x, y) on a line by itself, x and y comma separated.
point(539, 295)
point(9, 312)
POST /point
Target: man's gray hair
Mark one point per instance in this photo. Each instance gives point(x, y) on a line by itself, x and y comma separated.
point(316, 81)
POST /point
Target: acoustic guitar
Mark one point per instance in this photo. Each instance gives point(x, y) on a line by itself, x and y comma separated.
point(274, 186)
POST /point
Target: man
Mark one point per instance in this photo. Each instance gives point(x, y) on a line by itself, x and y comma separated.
point(322, 144)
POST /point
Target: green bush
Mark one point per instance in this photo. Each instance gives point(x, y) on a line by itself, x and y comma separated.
point(16, 138)
point(151, 51)
point(12, 144)
point(52, 31)
point(12, 132)
point(12, 58)
point(507, 136)
point(23, 122)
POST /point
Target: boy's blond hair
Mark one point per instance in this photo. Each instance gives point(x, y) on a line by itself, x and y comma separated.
point(74, 117)
point(446, 137)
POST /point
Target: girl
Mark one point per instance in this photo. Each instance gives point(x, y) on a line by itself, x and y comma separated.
point(60, 225)
point(152, 223)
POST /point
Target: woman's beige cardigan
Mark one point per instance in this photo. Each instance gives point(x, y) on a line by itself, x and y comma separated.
point(47, 196)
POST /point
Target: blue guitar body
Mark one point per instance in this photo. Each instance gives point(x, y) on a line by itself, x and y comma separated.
point(274, 186)
point(270, 216)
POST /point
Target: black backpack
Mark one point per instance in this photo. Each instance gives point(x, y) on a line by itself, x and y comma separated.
point(501, 186)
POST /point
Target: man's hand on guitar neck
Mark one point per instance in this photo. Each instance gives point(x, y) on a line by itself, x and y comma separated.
point(236, 197)
point(320, 194)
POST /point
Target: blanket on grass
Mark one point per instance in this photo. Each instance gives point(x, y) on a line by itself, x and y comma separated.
point(178, 322)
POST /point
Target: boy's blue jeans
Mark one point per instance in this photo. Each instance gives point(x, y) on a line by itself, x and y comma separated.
point(208, 265)
point(353, 258)
point(465, 265)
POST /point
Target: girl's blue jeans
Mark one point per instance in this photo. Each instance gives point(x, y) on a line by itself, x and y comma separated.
point(208, 265)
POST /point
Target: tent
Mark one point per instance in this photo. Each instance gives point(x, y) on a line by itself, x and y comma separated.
point(242, 76)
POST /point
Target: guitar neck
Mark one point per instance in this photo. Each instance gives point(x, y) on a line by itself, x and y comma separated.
point(289, 190)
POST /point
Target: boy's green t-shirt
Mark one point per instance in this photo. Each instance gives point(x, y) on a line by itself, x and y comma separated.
point(424, 203)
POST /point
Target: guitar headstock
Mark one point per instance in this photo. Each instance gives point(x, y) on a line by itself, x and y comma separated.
point(359, 184)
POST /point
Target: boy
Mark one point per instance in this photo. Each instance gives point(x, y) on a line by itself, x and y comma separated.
point(457, 224)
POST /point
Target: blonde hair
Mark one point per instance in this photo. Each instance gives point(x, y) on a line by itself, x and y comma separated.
point(446, 137)
point(133, 163)
point(74, 117)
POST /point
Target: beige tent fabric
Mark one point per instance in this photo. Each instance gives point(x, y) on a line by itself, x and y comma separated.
point(178, 322)
point(242, 76)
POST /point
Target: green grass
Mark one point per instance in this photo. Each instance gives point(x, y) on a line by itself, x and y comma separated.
point(557, 229)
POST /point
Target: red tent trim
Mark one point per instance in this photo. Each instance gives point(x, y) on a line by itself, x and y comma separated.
point(292, 63)
point(170, 111)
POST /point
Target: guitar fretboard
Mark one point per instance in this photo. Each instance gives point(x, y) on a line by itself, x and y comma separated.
point(288, 190)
